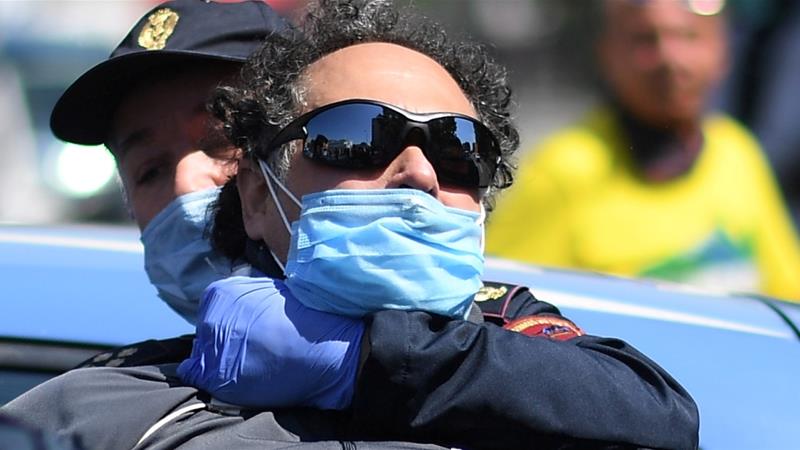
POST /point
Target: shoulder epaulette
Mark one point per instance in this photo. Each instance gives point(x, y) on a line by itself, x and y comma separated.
point(495, 300)
point(505, 305)
point(149, 352)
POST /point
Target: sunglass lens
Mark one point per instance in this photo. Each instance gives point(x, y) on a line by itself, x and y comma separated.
point(345, 136)
point(465, 152)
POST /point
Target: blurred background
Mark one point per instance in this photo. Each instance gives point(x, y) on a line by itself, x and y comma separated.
point(547, 45)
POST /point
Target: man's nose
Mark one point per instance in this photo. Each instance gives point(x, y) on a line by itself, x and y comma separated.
point(411, 169)
point(197, 171)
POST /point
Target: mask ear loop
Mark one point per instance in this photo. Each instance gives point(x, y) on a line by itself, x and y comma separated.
point(269, 178)
point(277, 261)
point(481, 221)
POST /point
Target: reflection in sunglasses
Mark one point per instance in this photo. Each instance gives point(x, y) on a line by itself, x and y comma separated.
point(367, 134)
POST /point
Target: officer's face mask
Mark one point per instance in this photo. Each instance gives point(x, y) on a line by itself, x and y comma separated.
point(354, 252)
point(178, 258)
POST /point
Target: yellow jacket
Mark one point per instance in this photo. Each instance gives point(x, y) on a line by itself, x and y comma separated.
point(578, 202)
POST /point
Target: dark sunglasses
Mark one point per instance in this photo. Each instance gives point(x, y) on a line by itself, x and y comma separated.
point(360, 134)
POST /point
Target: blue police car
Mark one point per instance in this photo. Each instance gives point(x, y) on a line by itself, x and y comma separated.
point(71, 291)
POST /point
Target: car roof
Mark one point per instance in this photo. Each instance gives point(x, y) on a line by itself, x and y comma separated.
point(83, 284)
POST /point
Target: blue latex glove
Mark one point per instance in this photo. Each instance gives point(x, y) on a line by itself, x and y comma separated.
point(257, 346)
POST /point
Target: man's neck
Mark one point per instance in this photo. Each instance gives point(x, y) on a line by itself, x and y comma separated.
point(661, 154)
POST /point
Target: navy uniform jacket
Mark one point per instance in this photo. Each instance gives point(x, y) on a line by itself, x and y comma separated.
point(426, 379)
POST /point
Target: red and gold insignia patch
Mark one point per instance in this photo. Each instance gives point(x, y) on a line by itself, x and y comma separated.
point(551, 327)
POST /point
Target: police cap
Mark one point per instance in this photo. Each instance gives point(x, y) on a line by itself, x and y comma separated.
point(174, 32)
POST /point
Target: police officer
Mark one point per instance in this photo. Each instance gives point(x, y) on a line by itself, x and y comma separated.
point(147, 103)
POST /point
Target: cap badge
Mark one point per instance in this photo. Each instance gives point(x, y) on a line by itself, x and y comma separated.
point(158, 29)
point(490, 293)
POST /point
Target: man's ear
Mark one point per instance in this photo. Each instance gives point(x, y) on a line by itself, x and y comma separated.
point(253, 193)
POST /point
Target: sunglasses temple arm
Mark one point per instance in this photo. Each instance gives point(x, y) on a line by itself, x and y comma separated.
point(289, 135)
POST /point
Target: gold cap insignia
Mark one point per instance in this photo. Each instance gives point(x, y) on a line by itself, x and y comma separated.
point(158, 29)
point(490, 293)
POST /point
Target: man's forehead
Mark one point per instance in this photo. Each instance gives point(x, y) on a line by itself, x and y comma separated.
point(135, 133)
point(168, 90)
point(386, 72)
point(663, 10)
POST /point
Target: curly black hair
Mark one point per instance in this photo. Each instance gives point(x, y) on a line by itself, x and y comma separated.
point(269, 93)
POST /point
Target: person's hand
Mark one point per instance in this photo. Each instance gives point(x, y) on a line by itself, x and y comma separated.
point(257, 346)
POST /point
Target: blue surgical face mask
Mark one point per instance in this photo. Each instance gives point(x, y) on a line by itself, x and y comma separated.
point(178, 258)
point(354, 252)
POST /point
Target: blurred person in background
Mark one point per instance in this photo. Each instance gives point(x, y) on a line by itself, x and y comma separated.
point(651, 184)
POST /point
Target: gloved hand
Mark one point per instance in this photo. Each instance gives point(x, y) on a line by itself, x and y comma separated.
point(257, 346)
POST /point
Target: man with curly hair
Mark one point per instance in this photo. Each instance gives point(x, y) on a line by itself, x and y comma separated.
point(394, 137)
